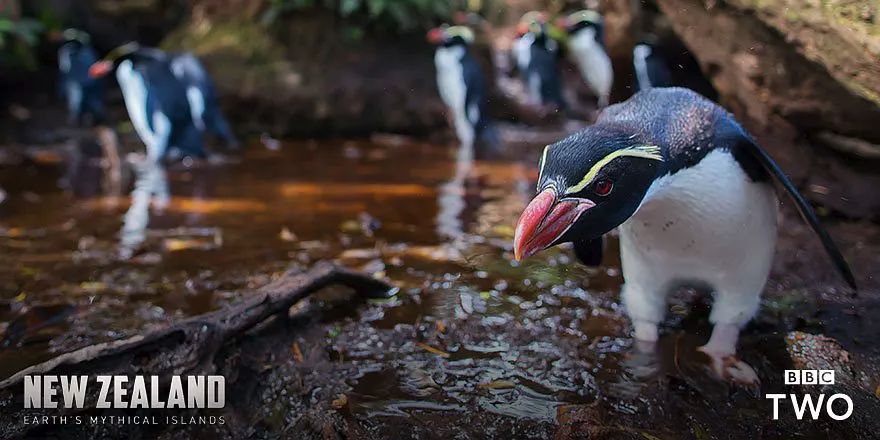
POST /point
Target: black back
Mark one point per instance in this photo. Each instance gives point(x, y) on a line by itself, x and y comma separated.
point(687, 126)
point(544, 54)
point(190, 71)
point(477, 95)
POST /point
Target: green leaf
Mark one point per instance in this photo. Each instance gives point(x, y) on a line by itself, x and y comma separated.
point(376, 7)
point(348, 7)
point(400, 13)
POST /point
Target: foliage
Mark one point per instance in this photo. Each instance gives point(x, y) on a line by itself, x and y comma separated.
point(18, 40)
point(394, 15)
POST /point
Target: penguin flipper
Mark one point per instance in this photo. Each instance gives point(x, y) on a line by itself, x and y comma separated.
point(745, 144)
point(589, 252)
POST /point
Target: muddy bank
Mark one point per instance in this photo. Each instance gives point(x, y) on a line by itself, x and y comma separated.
point(803, 79)
point(297, 78)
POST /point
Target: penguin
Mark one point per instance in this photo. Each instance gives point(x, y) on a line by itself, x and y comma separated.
point(587, 47)
point(693, 197)
point(84, 95)
point(461, 85)
point(202, 97)
point(536, 54)
point(650, 66)
point(156, 100)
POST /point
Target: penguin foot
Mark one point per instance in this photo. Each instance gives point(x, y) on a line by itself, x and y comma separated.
point(730, 368)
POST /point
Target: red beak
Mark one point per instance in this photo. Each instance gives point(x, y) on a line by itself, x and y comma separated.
point(100, 69)
point(435, 36)
point(544, 220)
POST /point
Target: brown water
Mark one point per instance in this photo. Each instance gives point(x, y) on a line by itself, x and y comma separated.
point(80, 266)
point(471, 329)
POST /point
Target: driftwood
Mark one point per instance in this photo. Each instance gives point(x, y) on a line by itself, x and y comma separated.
point(188, 347)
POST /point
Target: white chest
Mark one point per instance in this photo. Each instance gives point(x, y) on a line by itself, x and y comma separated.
point(593, 62)
point(450, 76)
point(522, 51)
point(640, 63)
point(134, 92)
point(703, 222)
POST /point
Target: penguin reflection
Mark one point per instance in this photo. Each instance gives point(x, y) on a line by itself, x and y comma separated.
point(450, 199)
point(150, 187)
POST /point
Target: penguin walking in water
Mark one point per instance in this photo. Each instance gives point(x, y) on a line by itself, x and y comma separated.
point(461, 85)
point(202, 97)
point(650, 66)
point(84, 95)
point(693, 197)
point(156, 100)
point(536, 55)
point(587, 47)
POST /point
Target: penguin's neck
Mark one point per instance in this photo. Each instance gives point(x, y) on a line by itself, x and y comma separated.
point(640, 63)
point(134, 92)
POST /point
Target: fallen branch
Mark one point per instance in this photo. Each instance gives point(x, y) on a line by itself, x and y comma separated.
point(188, 347)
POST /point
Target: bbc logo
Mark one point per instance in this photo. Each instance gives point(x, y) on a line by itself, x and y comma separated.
point(809, 377)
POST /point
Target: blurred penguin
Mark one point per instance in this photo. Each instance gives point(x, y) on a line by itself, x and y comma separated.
point(156, 100)
point(202, 97)
point(462, 86)
point(84, 95)
point(170, 99)
point(536, 55)
point(587, 47)
point(650, 65)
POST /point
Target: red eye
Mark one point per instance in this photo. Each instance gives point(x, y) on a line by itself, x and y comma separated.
point(603, 187)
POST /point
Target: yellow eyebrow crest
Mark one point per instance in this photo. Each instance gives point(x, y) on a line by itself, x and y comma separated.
point(461, 31)
point(643, 151)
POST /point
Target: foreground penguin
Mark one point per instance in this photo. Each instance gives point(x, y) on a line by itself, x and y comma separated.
point(693, 197)
point(586, 45)
point(536, 55)
point(84, 95)
point(461, 85)
point(650, 66)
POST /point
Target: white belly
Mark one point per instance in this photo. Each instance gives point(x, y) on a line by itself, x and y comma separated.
point(593, 62)
point(707, 224)
point(134, 93)
point(450, 84)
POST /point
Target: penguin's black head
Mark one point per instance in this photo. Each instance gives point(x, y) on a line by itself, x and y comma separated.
point(72, 35)
point(580, 20)
point(589, 183)
point(534, 22)
point(447, 36)
point(114, 57)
